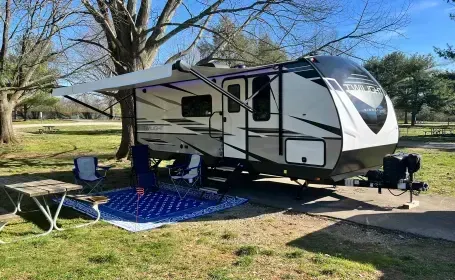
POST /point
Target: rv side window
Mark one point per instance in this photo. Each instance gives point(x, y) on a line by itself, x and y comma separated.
point(261, 102)
point(234, 107)
point(197, 106)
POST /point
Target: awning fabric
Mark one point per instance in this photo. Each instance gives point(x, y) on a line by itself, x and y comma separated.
point(153, 76)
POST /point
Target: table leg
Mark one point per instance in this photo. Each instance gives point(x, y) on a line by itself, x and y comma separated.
point(48, 217)
point(94, 206)
point(17, 204)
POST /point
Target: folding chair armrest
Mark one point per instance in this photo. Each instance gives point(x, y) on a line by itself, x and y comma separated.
point(107, 167)
point(188, 169)
point(176, 166)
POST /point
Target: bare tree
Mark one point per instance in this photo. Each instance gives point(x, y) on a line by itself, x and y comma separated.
point(33, 49)
point(135, 32)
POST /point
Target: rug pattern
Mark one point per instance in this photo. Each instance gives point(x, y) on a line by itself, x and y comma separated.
point(155, 208)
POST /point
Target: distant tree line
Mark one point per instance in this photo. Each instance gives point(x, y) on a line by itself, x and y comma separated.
point(414, 82)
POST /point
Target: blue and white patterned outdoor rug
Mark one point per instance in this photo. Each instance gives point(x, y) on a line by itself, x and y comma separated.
point(156, 208)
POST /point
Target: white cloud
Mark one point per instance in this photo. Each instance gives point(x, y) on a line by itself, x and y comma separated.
point(423, 5)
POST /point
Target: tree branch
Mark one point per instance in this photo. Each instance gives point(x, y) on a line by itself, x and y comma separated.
point(193, 44)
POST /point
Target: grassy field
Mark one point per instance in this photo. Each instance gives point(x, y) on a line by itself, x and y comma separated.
point(246, 242)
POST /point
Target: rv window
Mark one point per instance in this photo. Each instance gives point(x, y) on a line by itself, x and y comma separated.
point(234, 107)
point(197, 106)
point(261, 102)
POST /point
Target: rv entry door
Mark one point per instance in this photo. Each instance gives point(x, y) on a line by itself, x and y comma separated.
point(234, 127)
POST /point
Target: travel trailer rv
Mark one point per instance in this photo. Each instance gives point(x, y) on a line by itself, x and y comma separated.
point(320, 118)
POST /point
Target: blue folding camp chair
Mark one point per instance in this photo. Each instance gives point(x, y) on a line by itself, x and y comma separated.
point(190, 174)
point(86, 172)
point(140, 168)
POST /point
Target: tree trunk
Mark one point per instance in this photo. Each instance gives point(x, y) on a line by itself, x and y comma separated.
point(405, 116)
point(413, 118)
point(111, 110)
point(6, 123)
point(127, 109)
point(25, 112)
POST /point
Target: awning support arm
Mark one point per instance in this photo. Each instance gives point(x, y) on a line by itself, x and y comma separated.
point(88, 106)
point(261, 88)
point(118, 101)
point(181, 66)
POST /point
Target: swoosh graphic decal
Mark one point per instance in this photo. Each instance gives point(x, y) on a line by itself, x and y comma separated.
point(328, 128)
point(147, 102)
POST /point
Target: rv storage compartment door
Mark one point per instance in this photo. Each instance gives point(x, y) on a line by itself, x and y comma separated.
point(305, 151)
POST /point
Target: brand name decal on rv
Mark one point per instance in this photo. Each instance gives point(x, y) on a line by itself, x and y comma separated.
point(360, 87)
point(149, 127)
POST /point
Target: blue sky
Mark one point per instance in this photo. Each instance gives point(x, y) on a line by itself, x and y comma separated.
point(429, 26)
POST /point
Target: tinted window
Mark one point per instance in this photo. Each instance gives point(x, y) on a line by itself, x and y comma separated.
point(234, 107)
point(364, 91)
point(197, 106)
point(261, 102)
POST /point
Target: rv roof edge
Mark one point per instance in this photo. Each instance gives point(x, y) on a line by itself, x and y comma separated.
point(182, 66)
point(126, 81)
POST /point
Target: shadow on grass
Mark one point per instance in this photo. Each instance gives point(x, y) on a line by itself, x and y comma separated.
point(396, 256)
point(46, 162)
point(91, 132)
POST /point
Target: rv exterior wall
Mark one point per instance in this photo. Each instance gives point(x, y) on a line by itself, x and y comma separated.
point(323, 134)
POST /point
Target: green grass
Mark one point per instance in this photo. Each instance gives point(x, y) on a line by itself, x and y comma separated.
point(234, 244)
point(50, 121)
point(437, 170)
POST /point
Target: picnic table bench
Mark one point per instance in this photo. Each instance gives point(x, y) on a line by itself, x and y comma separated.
point(439, 131)
point(35, 188)
point(48, 129)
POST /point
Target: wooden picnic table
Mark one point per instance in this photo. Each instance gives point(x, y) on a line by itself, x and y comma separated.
point(440, 130)
point(36, 187)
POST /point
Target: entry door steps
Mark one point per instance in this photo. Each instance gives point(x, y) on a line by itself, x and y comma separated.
point(223, 179)
point(225, 168)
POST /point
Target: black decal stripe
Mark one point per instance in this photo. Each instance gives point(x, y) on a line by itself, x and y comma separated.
point(269, 130)
point(154, 124)
point(178, 120)
point(177, 88)
point(203, 129)
point(249, 153)
point(168, 100)
point(196, 148)
point(308, 74)
point(154, 140)
point(153, 132)
point(320, 82)
point(147, 102)
point(329, 128)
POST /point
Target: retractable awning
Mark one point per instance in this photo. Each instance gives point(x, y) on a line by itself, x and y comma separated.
point(169, 73)
point(131, 80)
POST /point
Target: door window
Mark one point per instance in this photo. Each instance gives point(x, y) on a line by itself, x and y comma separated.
point(234, 107)
point(261, 102)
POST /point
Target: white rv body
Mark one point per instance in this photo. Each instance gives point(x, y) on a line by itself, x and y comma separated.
point(322, 135)
point(322, 118)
